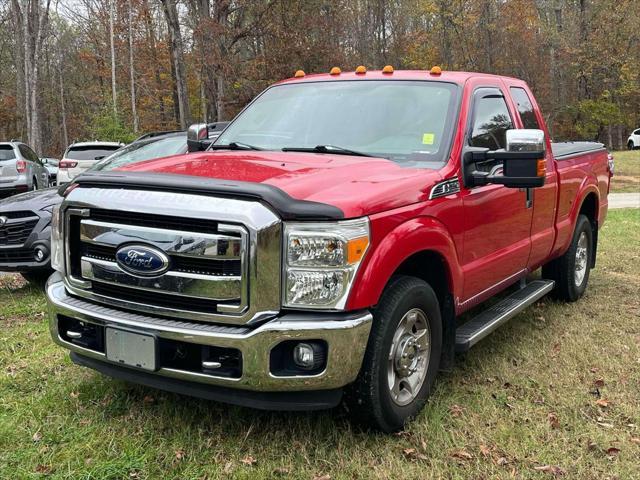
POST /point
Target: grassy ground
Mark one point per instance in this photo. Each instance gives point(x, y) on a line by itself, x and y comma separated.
point(556, 391)
point(627, 173)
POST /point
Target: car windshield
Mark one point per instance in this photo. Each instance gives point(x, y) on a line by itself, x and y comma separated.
point(142, 150)
point(7, 153)
point(409, 122)
point(90, 152)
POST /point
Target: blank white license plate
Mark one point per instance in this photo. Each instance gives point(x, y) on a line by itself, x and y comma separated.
point(131, 349)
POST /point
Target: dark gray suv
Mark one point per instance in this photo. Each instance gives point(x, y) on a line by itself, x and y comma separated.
point(21, 170)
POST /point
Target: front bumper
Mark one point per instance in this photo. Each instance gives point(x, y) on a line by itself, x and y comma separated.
point(21, 258)
point(345, 334)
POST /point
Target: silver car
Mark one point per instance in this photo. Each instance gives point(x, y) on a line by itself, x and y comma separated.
point(21, 170)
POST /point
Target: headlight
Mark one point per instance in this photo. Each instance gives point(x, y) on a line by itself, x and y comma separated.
point(48, 208)
point(321, 261)
point(57, 249)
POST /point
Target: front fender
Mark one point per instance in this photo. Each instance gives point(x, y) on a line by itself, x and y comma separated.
point(411, 237)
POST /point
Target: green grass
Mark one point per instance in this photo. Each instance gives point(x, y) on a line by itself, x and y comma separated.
point(627, 172)
point(524, 398)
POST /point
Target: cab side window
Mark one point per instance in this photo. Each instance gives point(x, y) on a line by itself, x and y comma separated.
point(525, 108)
point(491, 120)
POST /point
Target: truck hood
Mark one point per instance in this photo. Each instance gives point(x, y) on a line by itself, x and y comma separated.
point(356, 185)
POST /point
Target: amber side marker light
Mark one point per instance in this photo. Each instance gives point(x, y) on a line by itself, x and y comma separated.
point(541, 169)
point(335, 71)
point(387, 69)
point(436, 70)
point(299, 74)
point(361, 70)
point(356, 249)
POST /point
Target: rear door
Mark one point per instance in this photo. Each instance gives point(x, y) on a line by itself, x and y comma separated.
point(497, 219)
point(38, 170)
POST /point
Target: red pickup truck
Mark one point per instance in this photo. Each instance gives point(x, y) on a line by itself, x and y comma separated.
point(325, 246)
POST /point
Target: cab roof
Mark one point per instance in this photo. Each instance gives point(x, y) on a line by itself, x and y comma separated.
point(446, 76)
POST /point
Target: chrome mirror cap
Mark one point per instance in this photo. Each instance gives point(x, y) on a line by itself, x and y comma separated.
point(196, 134)
point(525, 140)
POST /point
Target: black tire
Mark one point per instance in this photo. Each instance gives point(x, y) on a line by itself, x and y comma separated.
point(562, 270)
point(369, 398)
point(37, 278)
point(630, 145)
point(34, 186)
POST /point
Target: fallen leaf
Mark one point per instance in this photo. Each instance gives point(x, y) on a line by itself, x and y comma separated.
point(553, 420)
point(180, 454)
point(228, 467)
point(413, 454)
point(322, 477)
point(636, 440)
point(461, 455)
point(591, 446)
point(594, 370)
point(613, 451)
point(485, 451)
point(74, 394)
point(502, 461)
point(281, 471)
point(551, 469)
point(44, 469)
point(248, 460)
point(148, 399)
point(134, 475)
point(37, 437)
point(456, 410)
point(602, 402)
point(599, 383)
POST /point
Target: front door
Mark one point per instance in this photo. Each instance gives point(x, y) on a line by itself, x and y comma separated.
point(497, 219)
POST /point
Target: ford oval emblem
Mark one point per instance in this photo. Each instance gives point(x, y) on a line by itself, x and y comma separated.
point(142, 260)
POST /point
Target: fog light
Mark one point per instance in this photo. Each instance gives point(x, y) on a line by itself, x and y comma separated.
point(304, 356)
point(40, 254)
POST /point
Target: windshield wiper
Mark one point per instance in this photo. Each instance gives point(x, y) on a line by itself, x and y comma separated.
point(234, 146)
point(327, 149)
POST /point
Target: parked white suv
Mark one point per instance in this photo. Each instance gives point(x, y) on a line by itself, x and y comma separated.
point(21, 169)
point(634, 140)
point(79, 157)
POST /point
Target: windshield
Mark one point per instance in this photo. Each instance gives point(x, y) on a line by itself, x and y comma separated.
point(144, 150)
point(90, 153)
point(405, 121)
point(6, 153)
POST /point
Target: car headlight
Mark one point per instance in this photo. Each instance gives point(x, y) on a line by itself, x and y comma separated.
point(57, 249)
point(321, 261)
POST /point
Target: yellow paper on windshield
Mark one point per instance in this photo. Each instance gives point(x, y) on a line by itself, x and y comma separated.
point(428, 138)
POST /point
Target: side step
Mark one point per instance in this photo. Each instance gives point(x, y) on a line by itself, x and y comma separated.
point(471, 332)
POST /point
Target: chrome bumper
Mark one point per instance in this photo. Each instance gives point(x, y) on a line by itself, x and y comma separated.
point(346, 336)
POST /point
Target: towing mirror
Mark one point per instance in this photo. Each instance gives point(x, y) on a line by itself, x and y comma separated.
point(197, 137)
point(521, 165)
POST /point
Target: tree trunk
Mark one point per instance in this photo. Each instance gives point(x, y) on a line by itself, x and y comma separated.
point(173, 24)
point(114, 93)
point(132, 74)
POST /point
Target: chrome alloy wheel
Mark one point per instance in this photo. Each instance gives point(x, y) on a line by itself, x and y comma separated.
point(582, 254)
point(409, 357)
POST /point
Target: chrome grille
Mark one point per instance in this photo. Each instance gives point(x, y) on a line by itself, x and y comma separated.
point(212, 248)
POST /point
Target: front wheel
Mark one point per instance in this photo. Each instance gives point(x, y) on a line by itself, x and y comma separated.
point(402, 357)
point(630, 145)
point(571, 270)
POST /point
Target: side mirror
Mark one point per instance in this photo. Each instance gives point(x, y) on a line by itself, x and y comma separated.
point(523, 162)
point(197, 137)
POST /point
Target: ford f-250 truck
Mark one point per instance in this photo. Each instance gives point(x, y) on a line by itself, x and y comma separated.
point(325, 246)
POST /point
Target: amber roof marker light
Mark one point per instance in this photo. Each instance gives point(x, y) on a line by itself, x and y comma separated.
point(387, 69)
point(299, 74)
point(335, 71)
point(436, 70)
point(361, 70)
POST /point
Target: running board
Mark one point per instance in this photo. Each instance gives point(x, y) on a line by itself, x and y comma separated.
point(471, 332)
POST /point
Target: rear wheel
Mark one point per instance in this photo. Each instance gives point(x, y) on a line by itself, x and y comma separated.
point(402, 357)
point(571, 270)
point(630, 145)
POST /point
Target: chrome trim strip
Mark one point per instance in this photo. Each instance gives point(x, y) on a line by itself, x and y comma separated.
point(172, 283)
point(345, 334)
point(173, 242)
